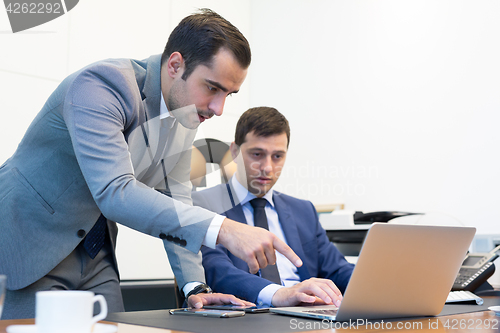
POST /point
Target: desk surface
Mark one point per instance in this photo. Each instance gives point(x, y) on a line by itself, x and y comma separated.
point(122, 328)
point(482, 321)
point(485, 322)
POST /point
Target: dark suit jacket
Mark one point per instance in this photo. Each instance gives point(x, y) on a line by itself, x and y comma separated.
point(226, 273)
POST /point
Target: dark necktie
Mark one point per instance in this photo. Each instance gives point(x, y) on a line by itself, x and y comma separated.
point(260, 220)
point(95, 238)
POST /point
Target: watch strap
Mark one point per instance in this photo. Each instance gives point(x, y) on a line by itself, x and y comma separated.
point(202, 288)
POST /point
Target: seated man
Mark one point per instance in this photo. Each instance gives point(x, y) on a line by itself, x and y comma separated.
point(260, 147)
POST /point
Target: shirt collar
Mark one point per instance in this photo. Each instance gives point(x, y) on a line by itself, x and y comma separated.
point(245, 196)
point(166, 118)
point(164, 113)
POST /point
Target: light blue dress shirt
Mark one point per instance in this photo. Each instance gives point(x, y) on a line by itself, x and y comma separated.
point(288, 272)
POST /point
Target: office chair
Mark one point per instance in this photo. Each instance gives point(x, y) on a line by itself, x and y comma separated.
point(206, 153)
point(179, 296)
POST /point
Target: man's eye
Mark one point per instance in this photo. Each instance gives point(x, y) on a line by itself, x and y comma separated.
point(212, 89)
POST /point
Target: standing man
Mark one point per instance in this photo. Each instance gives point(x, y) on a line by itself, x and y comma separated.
point(259, 150)
point(107, 137)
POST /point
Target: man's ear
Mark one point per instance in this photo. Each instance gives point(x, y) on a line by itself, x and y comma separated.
point(175, 65)
point(235, 150)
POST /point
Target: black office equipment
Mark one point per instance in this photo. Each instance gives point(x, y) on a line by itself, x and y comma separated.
point(350, 239)
point(475, 270)
point(383, 216)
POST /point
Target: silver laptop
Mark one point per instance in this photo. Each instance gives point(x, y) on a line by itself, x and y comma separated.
point(402, 271)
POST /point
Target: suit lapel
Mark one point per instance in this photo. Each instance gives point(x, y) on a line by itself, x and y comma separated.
point(143, 140)
point(289, 226)
point(152, 88)
point(236, 213)
point(155, 130)
point(152, 99)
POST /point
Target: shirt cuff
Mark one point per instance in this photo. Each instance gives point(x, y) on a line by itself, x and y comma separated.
point(190, 286)
point(213, 231)
point(266, 295)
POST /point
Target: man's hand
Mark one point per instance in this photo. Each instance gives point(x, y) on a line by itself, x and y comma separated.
point(200, 300)
point(313, 290)
point(255, 246)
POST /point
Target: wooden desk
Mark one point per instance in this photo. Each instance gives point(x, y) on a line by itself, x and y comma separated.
point(484, 322)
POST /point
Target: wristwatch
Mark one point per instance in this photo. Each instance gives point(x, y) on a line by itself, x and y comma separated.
point(200, 289)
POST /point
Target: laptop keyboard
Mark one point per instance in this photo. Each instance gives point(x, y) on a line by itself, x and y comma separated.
point(453, 297)
point(463, 296)
point(326, 312)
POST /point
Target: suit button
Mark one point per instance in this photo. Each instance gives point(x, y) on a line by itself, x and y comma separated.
point(183, 242)
point(176, 240)
point(163, 236)
point(170, 238)
point(80, 233)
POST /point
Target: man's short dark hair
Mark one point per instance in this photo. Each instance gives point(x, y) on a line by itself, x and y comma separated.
point(200, 36)
point(263, 121)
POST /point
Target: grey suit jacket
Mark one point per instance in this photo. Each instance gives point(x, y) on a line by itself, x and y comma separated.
point(98, 145)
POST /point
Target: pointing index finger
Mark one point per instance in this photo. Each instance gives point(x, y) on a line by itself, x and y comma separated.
point(287, 251)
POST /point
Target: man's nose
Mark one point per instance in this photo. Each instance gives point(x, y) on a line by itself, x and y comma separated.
point(266, 165)
point(217, 105)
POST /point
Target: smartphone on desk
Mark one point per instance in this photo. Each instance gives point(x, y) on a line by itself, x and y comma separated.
point(231, 307)
point(207, 313)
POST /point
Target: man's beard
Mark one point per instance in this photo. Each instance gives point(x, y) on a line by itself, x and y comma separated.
point(186, 115)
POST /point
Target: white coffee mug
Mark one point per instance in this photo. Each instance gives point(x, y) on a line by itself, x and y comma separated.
point(63, 311)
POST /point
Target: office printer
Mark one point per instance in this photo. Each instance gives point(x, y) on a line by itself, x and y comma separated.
point(347, 229)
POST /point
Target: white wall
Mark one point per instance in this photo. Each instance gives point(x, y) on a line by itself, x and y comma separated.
point(393, 104)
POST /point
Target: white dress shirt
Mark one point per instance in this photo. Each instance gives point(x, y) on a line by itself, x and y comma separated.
point(210, 239)
point(288, 272)
point(214, 228)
